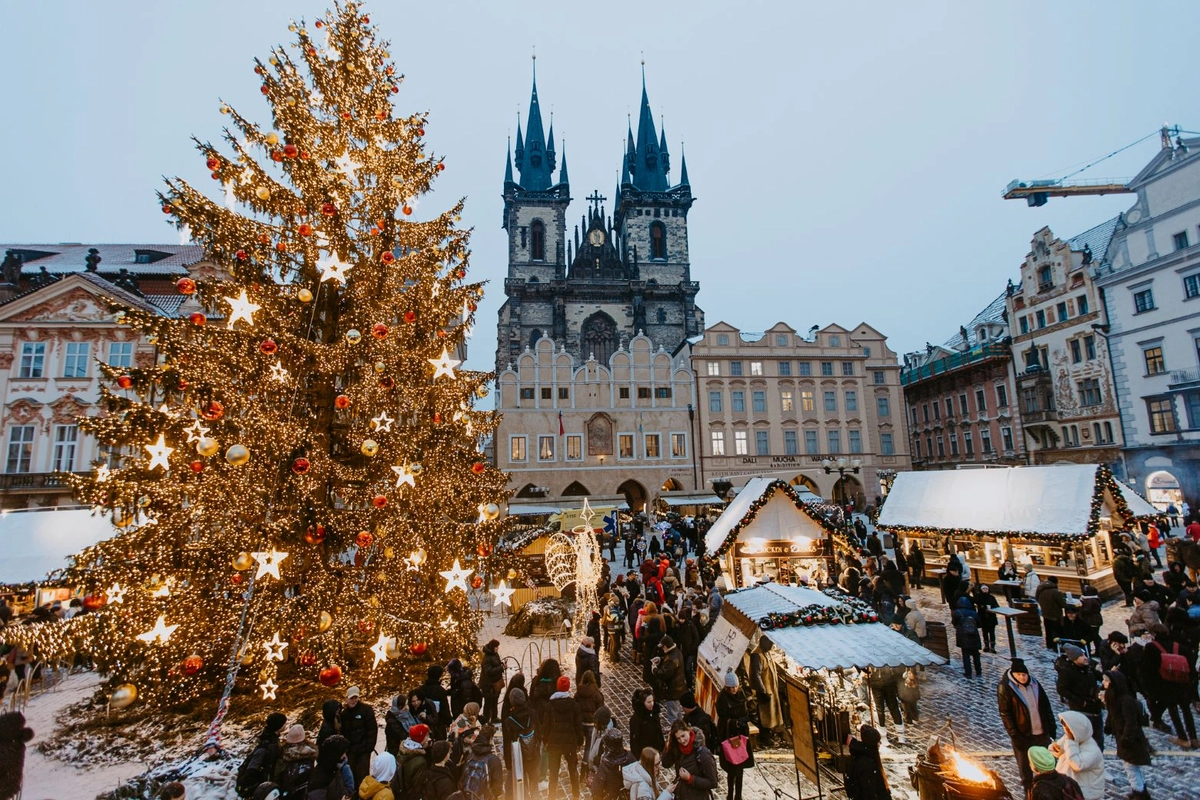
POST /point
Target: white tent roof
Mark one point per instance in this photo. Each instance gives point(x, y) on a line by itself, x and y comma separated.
point(778, 519)
point(1041, 500)
point(35, 542)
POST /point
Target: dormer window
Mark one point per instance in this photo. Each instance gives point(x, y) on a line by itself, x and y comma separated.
point(537, 241)
point(1045, 278)
point(658, 241)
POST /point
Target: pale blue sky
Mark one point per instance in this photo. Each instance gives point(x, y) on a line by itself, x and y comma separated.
point(847, 157)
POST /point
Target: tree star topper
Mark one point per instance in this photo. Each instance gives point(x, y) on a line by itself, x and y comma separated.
point(444, 365)
point(268, 563)
point(380, 649)
point(332, 268)
point(503, 594)
point(241, 307)
point(456, 578)
point(161, 632)
point(275, 648)
point(158, 454)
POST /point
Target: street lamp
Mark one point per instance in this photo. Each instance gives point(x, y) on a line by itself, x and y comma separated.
point(842, 465)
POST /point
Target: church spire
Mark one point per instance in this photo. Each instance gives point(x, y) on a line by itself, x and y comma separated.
point(683, 176)
point(662, 148)
point(508, 175)
point(648, 166)
point(535, 161)
point(562, 172)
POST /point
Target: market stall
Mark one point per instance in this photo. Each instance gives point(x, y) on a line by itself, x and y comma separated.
point(1061, 519)
point(768, 531)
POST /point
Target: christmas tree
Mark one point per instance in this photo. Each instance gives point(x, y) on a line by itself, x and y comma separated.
point(299, 481)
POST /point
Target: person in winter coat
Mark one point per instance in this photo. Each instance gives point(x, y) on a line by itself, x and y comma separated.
point(463, 690)
point(669, 677)
point(695, 767)
point(358, 725)
point(765, 680)
point(491, 681)
point(1124, 723)
point(331, 778)
point(330, 710)
point(1052, 603)
point(1125, 573)
point(1030, 583)
point(411, 759)
point(1090, 608)
point(1026, 713)
point(699, 720)
point(1048, 783)
point(1112, 651)
point(613, 759)
point(517, 681)
point(645, 730)
point(1079, 686)
point(885, 691)
point(909, 690)
point(564, 736)
point(466, 721)
point(735, 760)
point(865, 779)
point(259, 766)
point(1145, 613)
point(1167, 695)
point(483, 762)
point(952, 581)
point(653, 629)
point(985, 602)
point(543, 686)
point(1079, 756)
point(518, 726)
point(296, 759)
point(916, 564)
point(439, 781)
point(966, 634)
point(416, 711)
point(587, 660)
point(377, 785)
point(433, 691)
point(13, 736)
point(590, 698)
point(641, 777)
point(731, 708)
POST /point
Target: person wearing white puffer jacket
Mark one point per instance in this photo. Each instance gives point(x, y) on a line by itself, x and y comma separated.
point(641, 777)
point(1079, 756)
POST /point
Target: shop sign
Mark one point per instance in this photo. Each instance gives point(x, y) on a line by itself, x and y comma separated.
point(767, 548)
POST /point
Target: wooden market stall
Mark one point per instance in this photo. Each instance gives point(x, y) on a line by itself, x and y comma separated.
point(1061, 519)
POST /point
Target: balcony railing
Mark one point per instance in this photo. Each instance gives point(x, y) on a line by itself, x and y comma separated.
point(31, 481)
point(1183, 378)
point(956, 361)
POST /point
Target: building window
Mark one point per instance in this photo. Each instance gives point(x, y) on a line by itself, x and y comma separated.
point(1160, 410)
point(785, 369)
point(1191, 402)
point(547, 392)
point(1143, 301)
point(678, 445)
point(120, 354)
point(811, 447)
point(917, 448)
point(804, 368)
point(658, 241)
point(954, 445)
point(855, 441)
point(760, 402)
point(660, 316)
point(574, 447)
point(925, 413)
point(714, 368)
point(741, 443)
point(826, 367)
point(653, 448)
point(756, 368)
point(545, 448)
point(75, 364)
point(1001, 396)
point(516, 448)
point(963, 408)
point(852, 401)
point(807, 400)
point(1041, 319)
point(941, 447)
point(883, 406)
point(718, 443)
point(781, 340)
point(1089, 392)
point(968, 443)
point(735, 368)
point(980, 401)
point(723, 339)
point(831, 401)
point(66, 437)
point(1006, 439)
point(985, 441)
point(1154, 360)
point(929, 445)
point(623, 392)
point(1045, 277)
point(1062, 310)
point(1191, 286)
point(1076, 351)
point(737, 401)
point(762, 445)
point(1108, 433)
point(914, 416)
point(785, 401)
point(643, 393)
point(937, 411)
point(886, 446)
point(20, 448)
point(847, 367)
point(791, 445)
point(1024, 320)
point(714, 402)
point(625, 445)
point(1029, 399)
point(1097, 433)
point(662, 393)
point(537, 241)
point(880, 377)
point(835, 441)
point(1081, 303)
point(1181, 240)
point(1089, 347)
point(564, 393)
point(33, 360)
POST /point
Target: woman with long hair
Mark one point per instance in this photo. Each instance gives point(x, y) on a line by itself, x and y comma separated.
point(1124, 721)
point(641, 777)
point(645, 729)
point(695, 768)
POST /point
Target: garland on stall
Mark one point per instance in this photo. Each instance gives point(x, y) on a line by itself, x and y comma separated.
point(761, 501)
point(848, 611)
point(1105, 481)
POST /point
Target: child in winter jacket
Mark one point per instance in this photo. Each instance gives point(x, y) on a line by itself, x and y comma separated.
point(1079, 756)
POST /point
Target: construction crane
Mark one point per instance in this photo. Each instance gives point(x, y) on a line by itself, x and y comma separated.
point(1036, 193)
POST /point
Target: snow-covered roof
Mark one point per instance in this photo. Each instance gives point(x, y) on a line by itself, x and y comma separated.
point(36, 542)
point(1050, 500)
point(778, 519)
point(138, 259)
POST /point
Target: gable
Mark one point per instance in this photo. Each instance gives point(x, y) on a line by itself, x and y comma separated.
point(74, 304)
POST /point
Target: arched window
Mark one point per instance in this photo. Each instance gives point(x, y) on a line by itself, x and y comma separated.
point(662, 316)
point(599, 337)
point(534, 335)
point(537, 241)
point(658, 240)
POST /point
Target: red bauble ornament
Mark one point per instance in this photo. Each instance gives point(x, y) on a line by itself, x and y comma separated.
point(366, 20)
point(366, 626)
point(192, 665)
point(342, 401)
point(347, 115)
point(484, 550)
point(240, 255)
point(125, 381)
point(379, 330)
point(388, 257)
point(305, 229)
point(197, 318)
point(258, 70)
point(166, 209)
point(186, 286)
point(462, 273)
point(276, 156)
point(315, 534)
point(330, 676)
point(441, 334)
point(237, 577)
point(364, 539)
point(94, 601)
point(264, 238)
point(329, 209)
point(387, 382)
point(300, 466)
point(265, 89)
point(395, 90)
point(212, 410)
point(420, 131)
point(319, 24)
point(379, 501)
point(268, 346)
point(476, 582)
point(418, 649)
point(304, 155)
point(291, 151)
point(197, 466)
point(410, 317)
point(437, 418)
point(407, 211)
point(216, 176)
point(441, 166)
point(478, 467)
point(307, 659)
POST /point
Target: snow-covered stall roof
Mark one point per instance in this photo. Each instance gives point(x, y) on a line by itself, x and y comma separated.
point(35, 542)
point(781, 518)
point(825, 645)
point(1049, 500)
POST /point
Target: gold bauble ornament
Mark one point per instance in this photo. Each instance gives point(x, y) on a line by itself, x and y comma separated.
point(353, 336)
point(380, 366)
point(304, 296)
point(325, 620)
point(393, 648)
point(389, 552)
point(416, 468)
point(369, 448)
point(248, 658)
point(481, 392)
point(243, 561)
point(273, 137)
point(512, 574)
point(206, 446)
point(237, 455)
point(491, 511)
point(119, 518)
point(144, 501)
point(262, 193)
point(123, 695)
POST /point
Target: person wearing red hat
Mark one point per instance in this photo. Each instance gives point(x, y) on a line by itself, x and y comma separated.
point(412, 760)
point(564, 735)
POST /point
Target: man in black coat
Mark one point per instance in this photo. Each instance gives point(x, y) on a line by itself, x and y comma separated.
point(1026, 713)
point(586, 659)
point(361, 731)
point(491, 680)
point(669, 673)
point(563, 736)
point(1079, 686)
point(699, 719)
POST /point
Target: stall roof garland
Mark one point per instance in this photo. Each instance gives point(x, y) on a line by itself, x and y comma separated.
point(757, 506)
point(849, 611)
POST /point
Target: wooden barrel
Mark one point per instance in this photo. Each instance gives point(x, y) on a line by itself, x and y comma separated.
point(1029, 623)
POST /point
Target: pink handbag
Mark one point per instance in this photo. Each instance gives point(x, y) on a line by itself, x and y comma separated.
point(735, 750)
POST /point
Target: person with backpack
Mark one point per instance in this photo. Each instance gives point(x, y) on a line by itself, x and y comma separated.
point(695, 767)
point(491, 681)
point(412, 762)
point(439, 778)
point(699, 720)
point(1025, 711)
point(519, 727)
point(1125, 724)
point(606, 780)
point(564, 736)
point(377, 785)
point(865, 779)
point(482, 775)
point(1169, 679)
point(296, 761)
point(966, 629)
point(259, 766)
point(1048, 783)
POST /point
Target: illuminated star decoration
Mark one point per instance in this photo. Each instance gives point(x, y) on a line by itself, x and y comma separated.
point(383, 422)
point(404, 474)
point(275, 648)
point(268, 689)
point(116, 593)
point(587, 515)
point(158, 454)
point(444, 365)
point(268, 563)
point(332, 268)
point(414, 561)
point(449, 623)
point(242, 308)
point(102, 473)
point(503, 594)
point(347, 165)
point(279, 373)
point(380, 650)
point(161, 632)
point(456, 578)
point(195, 432)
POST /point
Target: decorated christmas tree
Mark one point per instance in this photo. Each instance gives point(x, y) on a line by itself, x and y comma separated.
point(298, 481)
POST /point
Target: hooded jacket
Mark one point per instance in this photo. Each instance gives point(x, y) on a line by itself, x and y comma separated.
point(644, 727)
point(1142, 618)
point(864, 777)
point(1049, 786)
point(699, 762)
point(589, 698)
point(411, 763)
point(586, 659)
point(671, 675)
point(565, 728)
point(491, 673)
point(482, 751)
point(1078, 686)
point(639, 783)
point(439, 783)
point(372, 789)
point(432, 690)
point(966, 640)
point(1081, 757)
point(293, 753)
point(1124, 721)
point(329, 724)
point(518, 722)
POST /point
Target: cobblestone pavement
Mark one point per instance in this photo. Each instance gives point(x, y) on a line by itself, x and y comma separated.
point(946, 693)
